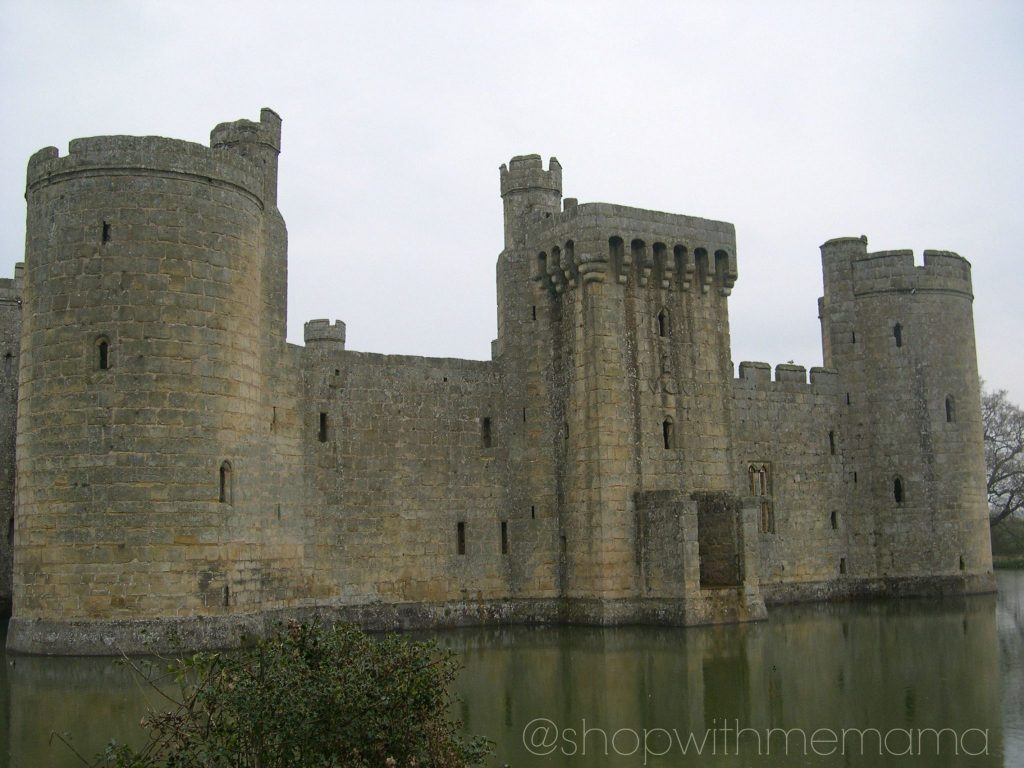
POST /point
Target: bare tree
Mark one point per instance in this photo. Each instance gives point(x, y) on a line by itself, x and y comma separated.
point(1003, 424)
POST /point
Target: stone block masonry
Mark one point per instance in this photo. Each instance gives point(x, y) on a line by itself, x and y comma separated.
point(174, 474)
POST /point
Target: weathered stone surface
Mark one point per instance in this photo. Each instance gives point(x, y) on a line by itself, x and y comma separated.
point(185, 476)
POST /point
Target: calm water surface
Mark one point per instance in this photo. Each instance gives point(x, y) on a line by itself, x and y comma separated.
point(897, 667)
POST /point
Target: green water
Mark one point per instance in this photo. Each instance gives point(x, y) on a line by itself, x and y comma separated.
point(896, 667)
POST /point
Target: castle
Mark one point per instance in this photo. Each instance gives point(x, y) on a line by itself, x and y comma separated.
point(186, 476)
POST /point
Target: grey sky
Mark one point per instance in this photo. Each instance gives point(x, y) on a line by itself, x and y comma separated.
point(796, 121)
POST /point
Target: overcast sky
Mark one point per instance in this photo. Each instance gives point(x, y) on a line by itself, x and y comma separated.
point(796, 121)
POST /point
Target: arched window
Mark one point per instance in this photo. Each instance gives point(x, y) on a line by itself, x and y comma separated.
point(668, 433)
point(663, 324)
point(616, 254)
point(950, 409)
point(225, 482)
point(897, 333)
point(762, 475)
point(103, 353)
point(897, 489)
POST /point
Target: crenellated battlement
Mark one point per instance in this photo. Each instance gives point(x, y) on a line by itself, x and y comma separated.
point(525, 173)
point(758, 375)
point(593, 241)
point(895, 270)
point(142, 155)
point(323, 334)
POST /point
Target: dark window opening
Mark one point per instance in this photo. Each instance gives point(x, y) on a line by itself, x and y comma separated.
point(565, 427)
point(524, 415)
point(533, 512)
point(668, 434)
point(853, 337)
point(855, 477)
point(563, 545)
point(105, 237)
point(897, 333)
point(227, 596)
point(485, 431)
point(663, 323)
point(103, 353)
point(8, 364)
point(842, 565)
point(962, 565)
point(504, 537)
point(834, 520)
point(322, 434)
point(225, 483)
point(832, 442)
point(460, 538)
point(337, 371)
point(847, 398)
point(534, 310)
point(950, 410)
point(897, 490)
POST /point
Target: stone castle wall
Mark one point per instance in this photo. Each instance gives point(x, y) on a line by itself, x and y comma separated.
point(185, 475)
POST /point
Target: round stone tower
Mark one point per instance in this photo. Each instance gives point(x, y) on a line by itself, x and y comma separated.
point(139, 380)
point(902, 338)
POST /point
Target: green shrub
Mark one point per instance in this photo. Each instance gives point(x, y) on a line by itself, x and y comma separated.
point(311, 696)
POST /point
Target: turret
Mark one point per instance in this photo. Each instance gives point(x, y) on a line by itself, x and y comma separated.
point(528, 192)
point(260, 142)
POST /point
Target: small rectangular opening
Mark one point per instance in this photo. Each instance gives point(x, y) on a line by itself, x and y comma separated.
point(105, 237)
point(460, 538)
point(533, 512)
point(322, 435)
point(842, 565)
point(534, 308)
point(504, 537)
point(524, 415)
point(485, 431)
point(832, 442)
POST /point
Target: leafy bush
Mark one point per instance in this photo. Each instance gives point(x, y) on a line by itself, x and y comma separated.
point(311, 696)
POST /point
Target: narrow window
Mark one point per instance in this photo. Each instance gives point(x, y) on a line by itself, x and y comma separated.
point(504, 537)
point(767, 518)
point(897, 333)
point(460, 538)
point(105, 237)
point(853, 337)
point(485, 431)
point(950, 410)
point(897, 490)
point(524, 415)
point(563, 545)
point(10, 532)
point(842, 565)
point(322, 435)
point(668, 433)
point(855, 476)
point(565, 426)
point(8, 364)
point(847, 398)
point(663, 323)
point(225, 482)
point(763, 476)
point(752, 477)
point(832, 442)
point(834, 520)
point(227, 596)
point(103, 353)
point(533, 512)
point(962, 565)
point(534, 309)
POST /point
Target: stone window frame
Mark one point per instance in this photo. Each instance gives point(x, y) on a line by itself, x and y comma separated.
point(102, 352)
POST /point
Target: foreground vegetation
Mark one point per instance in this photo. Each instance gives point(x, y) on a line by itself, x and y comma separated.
point(309, 696)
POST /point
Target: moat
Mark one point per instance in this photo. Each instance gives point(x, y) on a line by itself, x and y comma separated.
point(893, 666)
